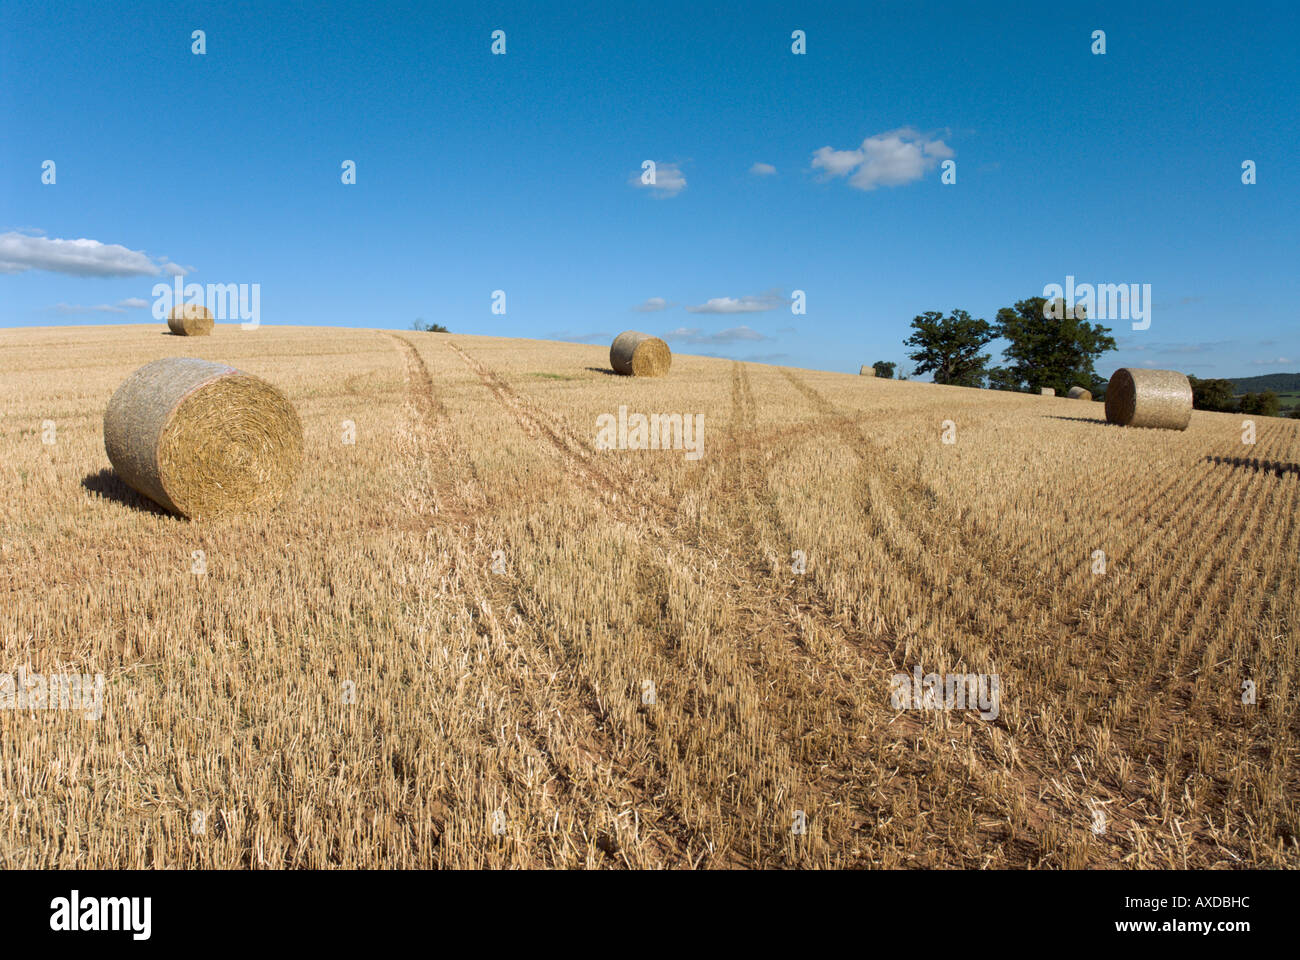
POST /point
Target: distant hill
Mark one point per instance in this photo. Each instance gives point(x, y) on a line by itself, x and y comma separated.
point(1277, 382)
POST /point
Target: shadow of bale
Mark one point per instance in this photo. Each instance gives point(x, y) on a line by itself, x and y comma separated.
point(1278, 467)
point(1093, 420)
point(107, 485)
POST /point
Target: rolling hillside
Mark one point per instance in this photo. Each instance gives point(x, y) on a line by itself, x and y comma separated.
point(471, 638)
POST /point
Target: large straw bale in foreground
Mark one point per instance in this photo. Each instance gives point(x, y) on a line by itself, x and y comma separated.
point(1136, 397)
point(1079, 393)
point(190, 320)
point(203, 439)
point(636, 354)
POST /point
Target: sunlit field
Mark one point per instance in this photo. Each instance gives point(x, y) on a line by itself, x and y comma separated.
point(471, 638)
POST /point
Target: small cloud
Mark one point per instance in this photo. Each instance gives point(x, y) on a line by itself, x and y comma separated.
point(730, 335)
point(747, 304)
point(82, 258)
point(1196, 347)
point(71, 308)
point(885, 160)
point(582, 337)
point(1270, 363)
point(938, 149)
point(1132, 344)
point(652, 305)
point(836, 163)
point(1180, 302)
point(133, 302)
point(751, 358)
point(669, 180)
point(763, 170)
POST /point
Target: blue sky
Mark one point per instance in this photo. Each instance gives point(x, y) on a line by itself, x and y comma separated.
point(521, 172)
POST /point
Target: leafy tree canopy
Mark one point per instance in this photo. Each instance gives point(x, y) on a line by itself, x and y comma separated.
point(1213, 395)
point(1264, 404)
point(950, 347)
point(1050, 348)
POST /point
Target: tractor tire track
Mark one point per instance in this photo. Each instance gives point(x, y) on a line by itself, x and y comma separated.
point(442, 456)
point(751, 593)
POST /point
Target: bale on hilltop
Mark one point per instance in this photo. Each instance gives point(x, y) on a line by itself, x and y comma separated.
point(190, 320)
point(636, 354)
point(202, 439)
point(1047, 391)
point(1160, 399)
point(1079, 393)
point(867, 371)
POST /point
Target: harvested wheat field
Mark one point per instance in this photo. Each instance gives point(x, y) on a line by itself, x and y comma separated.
point(468, 638)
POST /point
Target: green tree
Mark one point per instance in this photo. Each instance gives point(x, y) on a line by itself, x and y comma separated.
point(423, 327)
point(950, 347)
point(1000, 378)
point(1264, 404)
point(1213, 395)
point(884, 369)
point(1056, 348)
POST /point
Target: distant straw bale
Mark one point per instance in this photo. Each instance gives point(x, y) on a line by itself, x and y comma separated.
point(636, 354)
point(1137, 397)
point(1047, 391)
point(1079, 393)
point(190, 320)
point(203, 439)
point(867, 372)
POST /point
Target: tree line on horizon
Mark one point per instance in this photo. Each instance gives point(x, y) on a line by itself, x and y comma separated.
point(1055, 348)
point(423, 327)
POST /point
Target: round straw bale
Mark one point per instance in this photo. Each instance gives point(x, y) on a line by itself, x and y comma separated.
point(1047, 391)
point(202, 439)
point(190, 320)
point(1136, 397)
point(1079, 393)
point(636, 354)
point(867, 372)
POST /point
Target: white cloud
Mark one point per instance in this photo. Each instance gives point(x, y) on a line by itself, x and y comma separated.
point(763, 170)
point(652, 305)
point(1270, 363)
point(836, 163)
point(939, 150)
point(887, 159)
point(747, 304)
point(69, 308)
point(669, 180)
point(581, 337)
point(83, 258)
point(730, 335)
point(119, 307)
point(753, 357)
